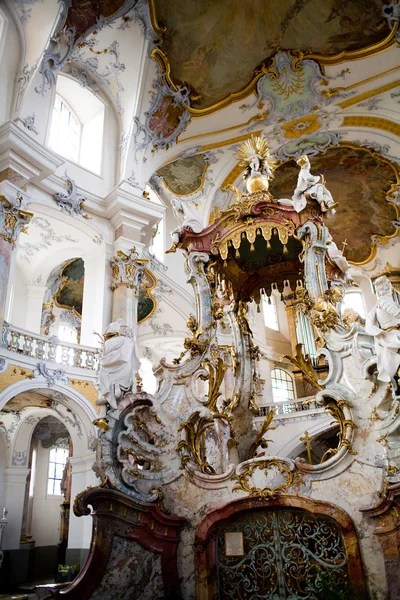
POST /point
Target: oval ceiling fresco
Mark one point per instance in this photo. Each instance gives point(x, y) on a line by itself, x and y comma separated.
point(216, 46)
point(359, 181)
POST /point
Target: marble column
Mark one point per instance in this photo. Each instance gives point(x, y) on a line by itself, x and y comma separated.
point(127, 273)
point(12, 220)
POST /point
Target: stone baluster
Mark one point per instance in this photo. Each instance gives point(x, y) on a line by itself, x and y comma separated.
point(27, 345)
point(4, 334)
point(14, 342)
point(52, 350)
point(40, 349)
point(64, 355)
point(77, 357)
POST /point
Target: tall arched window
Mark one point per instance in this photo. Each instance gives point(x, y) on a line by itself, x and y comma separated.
point(282, 386)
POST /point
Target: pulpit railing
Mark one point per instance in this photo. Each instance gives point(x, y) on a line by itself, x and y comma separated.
point(48, 349)
point(285, 408)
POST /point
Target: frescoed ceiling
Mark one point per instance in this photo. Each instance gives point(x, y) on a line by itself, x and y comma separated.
point(360, 182)
point(185, 175)
point(215, 48)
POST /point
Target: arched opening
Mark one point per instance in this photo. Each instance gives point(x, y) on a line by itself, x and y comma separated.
point(293, 547)
point(42, 428)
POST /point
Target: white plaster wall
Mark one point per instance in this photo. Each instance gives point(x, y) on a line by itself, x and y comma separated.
point(9, 63)
point(46, 509)
point(18, 299)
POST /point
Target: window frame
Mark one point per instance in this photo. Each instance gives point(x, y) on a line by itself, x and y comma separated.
point(54, 479)
point(289, 378)
point(270, 301)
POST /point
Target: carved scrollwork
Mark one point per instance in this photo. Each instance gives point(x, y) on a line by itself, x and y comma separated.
point(272, 468)
point(13, 219)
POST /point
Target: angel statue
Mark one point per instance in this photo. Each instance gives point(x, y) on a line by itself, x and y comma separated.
point(259, 166)
point(186, 217)
point(383, 322)
point(118, 365)
point(310, 186)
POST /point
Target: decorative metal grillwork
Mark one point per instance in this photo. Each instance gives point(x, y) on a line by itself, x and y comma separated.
point(288, 554)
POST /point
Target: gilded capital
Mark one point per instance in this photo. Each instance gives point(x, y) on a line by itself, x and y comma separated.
point(127, 269)
point(12, 218)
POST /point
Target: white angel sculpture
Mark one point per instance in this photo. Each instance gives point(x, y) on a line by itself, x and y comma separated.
point(186, 215)
point(310, 186)
point(383, 322)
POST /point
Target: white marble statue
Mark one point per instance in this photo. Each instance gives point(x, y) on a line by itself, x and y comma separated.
point(186, 215)
point(119, 363)
point(337, 258)
point(310, 186)
point(383, 322)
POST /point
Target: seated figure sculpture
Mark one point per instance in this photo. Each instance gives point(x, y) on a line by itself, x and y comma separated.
point(311, 187)
point(383, 322)
point(118, 365)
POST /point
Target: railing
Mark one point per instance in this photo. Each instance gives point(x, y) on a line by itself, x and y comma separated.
point(48, 349)
point(286, 408)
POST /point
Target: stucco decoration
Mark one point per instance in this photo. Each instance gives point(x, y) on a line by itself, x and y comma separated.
point(51, 432)
point(29, 123)
point(200, 56)
point(109, 75)
point(47, 238)
point(76, 21)
point(290, 89)
point(360, 182)
point(166, 118)
point(51, 376)
point(72, 200)
point(311, 145)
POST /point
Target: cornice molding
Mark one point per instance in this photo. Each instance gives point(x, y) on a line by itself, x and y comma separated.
point(20, 147)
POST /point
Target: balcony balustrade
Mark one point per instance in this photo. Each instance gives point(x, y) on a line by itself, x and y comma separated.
point(49, 349)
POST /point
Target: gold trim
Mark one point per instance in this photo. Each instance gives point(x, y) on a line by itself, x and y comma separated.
point(372, 123)
point(202, 180)
point(159, 29)
point(298, 55)
point(369, 94)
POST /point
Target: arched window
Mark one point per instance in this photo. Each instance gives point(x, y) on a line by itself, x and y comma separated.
point(354, 300)
point(77, 124)
point(270, 312)
point(67, 334)
point(282, 386)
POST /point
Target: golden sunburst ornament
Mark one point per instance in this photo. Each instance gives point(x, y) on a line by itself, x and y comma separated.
point(254, 155)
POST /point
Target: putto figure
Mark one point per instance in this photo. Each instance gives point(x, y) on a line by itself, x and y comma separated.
point(312, 187)
point(119, 364)
point(383, 322)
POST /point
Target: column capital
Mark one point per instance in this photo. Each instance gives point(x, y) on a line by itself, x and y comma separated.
point(127, 269)
point(13, 218)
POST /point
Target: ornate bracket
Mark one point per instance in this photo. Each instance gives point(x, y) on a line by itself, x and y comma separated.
point(13, 219)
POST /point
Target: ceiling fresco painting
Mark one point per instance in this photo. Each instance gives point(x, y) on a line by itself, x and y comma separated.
point(70, 294)
point(203, 40)
point(184, 176)
point(360, 182)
